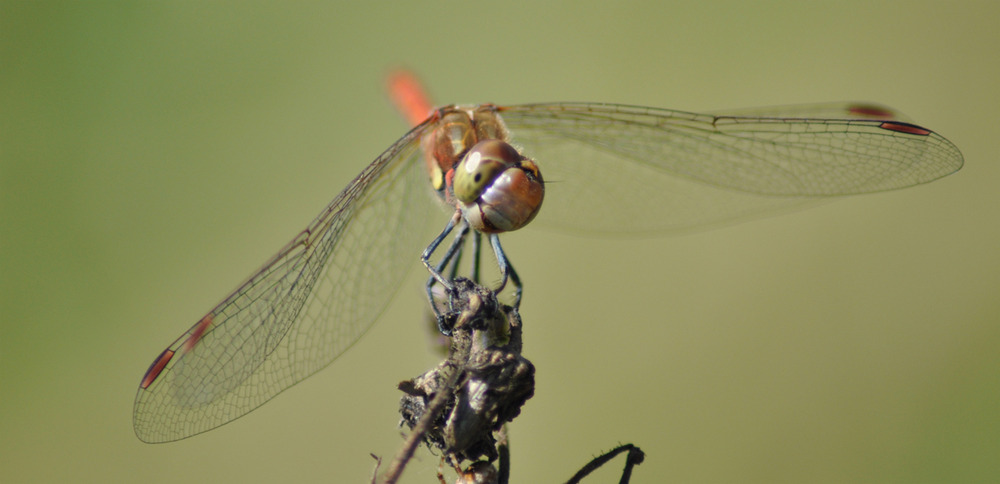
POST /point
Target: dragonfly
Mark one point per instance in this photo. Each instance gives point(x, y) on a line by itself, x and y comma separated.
point(611, 169)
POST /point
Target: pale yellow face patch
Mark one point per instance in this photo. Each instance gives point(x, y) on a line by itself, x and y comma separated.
point(474, 174)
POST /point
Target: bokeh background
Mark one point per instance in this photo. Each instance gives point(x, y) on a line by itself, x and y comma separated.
point(153, 154)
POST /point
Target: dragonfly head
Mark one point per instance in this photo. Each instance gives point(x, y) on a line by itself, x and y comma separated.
point(497, 189)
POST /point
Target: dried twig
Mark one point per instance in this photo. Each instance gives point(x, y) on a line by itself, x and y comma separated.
point(458, 405)
point(462, 406)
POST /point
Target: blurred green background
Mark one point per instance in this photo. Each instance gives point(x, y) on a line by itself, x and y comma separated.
point(153, 154)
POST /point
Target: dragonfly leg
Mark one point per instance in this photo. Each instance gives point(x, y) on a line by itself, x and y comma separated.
point(455, 261)
point(449, 257)
point(518, 288)
point(426, 255)
point(506, 270)
point(477, 239)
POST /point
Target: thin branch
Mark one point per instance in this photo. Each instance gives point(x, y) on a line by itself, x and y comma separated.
point(635, 457)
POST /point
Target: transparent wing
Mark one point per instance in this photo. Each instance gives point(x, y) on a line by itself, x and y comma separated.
point(612, 168)
point(307, 305)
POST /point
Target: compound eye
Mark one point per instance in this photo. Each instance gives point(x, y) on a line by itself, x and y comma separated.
point(481, 166)
point(498, 190)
